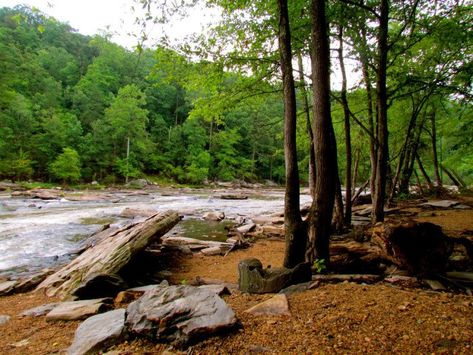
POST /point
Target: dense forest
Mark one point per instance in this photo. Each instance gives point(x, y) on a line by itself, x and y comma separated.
point(78, 109)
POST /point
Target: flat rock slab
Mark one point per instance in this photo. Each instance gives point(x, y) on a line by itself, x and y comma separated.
point(76, 310)
point(275, 306)
point(181, 314)
point(7, 287)
point(440, 204)
point(4, 319)
point(99, 332)
point(39, 311)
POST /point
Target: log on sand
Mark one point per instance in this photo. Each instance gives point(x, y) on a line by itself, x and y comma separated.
point(110, 255)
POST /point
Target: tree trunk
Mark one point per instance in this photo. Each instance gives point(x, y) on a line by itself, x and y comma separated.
point(320, 216)
point(369, 105)
point(346, 114)
point(305, 105)
point(295, 229)
point(424, 173)
point(338, 219)
point(438, 179)
point(379, 193)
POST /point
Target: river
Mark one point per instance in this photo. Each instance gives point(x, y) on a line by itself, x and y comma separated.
point(37, 234)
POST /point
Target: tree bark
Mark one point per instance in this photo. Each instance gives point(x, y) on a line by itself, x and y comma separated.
point(305, 105)
point(346, 114)
point(295, 228)
point(369, 106)
point(379, 193)
point(320, 216)
point(438, 179)
point(424, 173)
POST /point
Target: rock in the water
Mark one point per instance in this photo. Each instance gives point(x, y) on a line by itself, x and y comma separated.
point(99, 286)
point(214, 216)
point(435, 285)
point(99, 332)
point(181, 314)
point(7, 287)
point(275, 306)
point(76, 310)
point(39, 311)
point(4, 319)
point(254, 279)
point(137, 212)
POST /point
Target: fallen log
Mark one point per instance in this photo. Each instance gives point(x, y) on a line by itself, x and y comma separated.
point(110, 255)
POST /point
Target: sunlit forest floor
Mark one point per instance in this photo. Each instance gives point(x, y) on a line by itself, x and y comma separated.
point(333, 318)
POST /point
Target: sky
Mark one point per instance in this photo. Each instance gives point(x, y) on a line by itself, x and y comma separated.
point(116, 17)
point(91, 17)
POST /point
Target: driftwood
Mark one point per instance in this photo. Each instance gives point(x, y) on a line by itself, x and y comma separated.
point(358, 278)
point(110, 255)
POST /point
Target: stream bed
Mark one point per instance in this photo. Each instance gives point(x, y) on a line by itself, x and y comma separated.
point(37, 234)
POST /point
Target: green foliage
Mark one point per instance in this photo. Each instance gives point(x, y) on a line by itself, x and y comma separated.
point(66, 167)
point(319, 266)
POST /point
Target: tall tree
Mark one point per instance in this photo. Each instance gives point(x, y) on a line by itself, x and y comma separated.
point(295, 229)
point(324, 138)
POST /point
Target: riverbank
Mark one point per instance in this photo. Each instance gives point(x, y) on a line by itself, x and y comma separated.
point(332, 318)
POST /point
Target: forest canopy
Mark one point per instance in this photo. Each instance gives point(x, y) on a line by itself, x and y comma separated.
point(78, 108)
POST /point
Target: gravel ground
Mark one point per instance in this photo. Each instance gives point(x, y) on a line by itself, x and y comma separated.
point(333, 318)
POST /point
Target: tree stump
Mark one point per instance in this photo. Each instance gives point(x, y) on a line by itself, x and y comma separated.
point(420, 248)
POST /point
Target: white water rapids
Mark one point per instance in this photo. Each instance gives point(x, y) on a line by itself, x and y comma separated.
point(36, 234)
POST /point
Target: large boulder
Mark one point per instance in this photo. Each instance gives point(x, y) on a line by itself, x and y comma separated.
point(180, 314)
point(99, 332)
point(254, 279)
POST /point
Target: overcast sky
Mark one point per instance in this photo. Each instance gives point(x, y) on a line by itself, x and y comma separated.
point(90, 17)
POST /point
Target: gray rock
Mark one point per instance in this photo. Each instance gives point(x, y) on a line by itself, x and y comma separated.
point(99, 332)
point(39, 311)
point(181, 314)
point(76, 310)
point(218, 289)
point(246, 228)
point(304, 286)
point(440, 204)
point(211, 251)
point(7, 287)
point(138, 183)
point(137, 212)
point(4, 319)
point(253, 279)
point(275, 306)
point(29, 283)
point(214, 216)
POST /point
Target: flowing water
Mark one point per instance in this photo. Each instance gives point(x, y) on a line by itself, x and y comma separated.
point(37, 234)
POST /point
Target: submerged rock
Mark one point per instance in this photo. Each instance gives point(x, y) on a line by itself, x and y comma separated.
point(181, 314)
